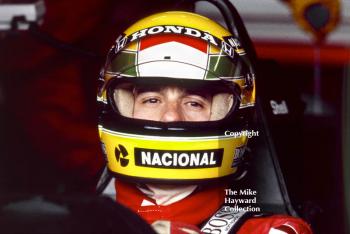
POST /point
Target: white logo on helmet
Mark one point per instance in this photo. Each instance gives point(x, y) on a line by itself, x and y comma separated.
point(176, 30)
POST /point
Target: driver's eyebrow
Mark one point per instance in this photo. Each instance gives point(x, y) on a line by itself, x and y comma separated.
point(201, 93)
point(138, 90)
point(197, 92)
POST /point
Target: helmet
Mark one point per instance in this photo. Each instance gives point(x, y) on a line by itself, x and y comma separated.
point(187, 50)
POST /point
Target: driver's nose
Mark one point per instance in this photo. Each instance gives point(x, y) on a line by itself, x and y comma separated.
point(172, 112)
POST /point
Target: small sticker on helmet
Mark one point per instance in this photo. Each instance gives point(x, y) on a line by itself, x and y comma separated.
point(238, 156)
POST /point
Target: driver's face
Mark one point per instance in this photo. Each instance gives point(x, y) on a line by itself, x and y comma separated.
point(171, 103)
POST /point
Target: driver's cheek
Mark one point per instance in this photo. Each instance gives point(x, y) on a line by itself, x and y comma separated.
point(195, 114)
point(145, 112)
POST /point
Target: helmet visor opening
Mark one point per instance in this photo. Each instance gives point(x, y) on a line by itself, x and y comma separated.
point(172, 100)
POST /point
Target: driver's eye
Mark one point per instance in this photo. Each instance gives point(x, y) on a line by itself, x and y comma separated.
point(151, 101)
point(194, 104)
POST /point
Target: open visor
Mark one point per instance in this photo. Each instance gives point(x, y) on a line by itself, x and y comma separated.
point(201, 61)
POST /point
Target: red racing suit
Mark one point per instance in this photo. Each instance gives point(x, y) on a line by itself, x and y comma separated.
point(194, 210)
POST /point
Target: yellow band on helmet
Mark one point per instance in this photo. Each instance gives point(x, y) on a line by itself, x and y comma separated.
point(159, 158)
point(180, 18)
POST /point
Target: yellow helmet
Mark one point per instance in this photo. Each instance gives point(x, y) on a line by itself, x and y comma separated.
point(192, 51)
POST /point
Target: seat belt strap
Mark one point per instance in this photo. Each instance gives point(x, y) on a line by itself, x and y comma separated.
point(226, 220)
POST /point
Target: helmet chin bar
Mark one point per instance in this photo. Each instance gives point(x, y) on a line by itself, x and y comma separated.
point(172, 158)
